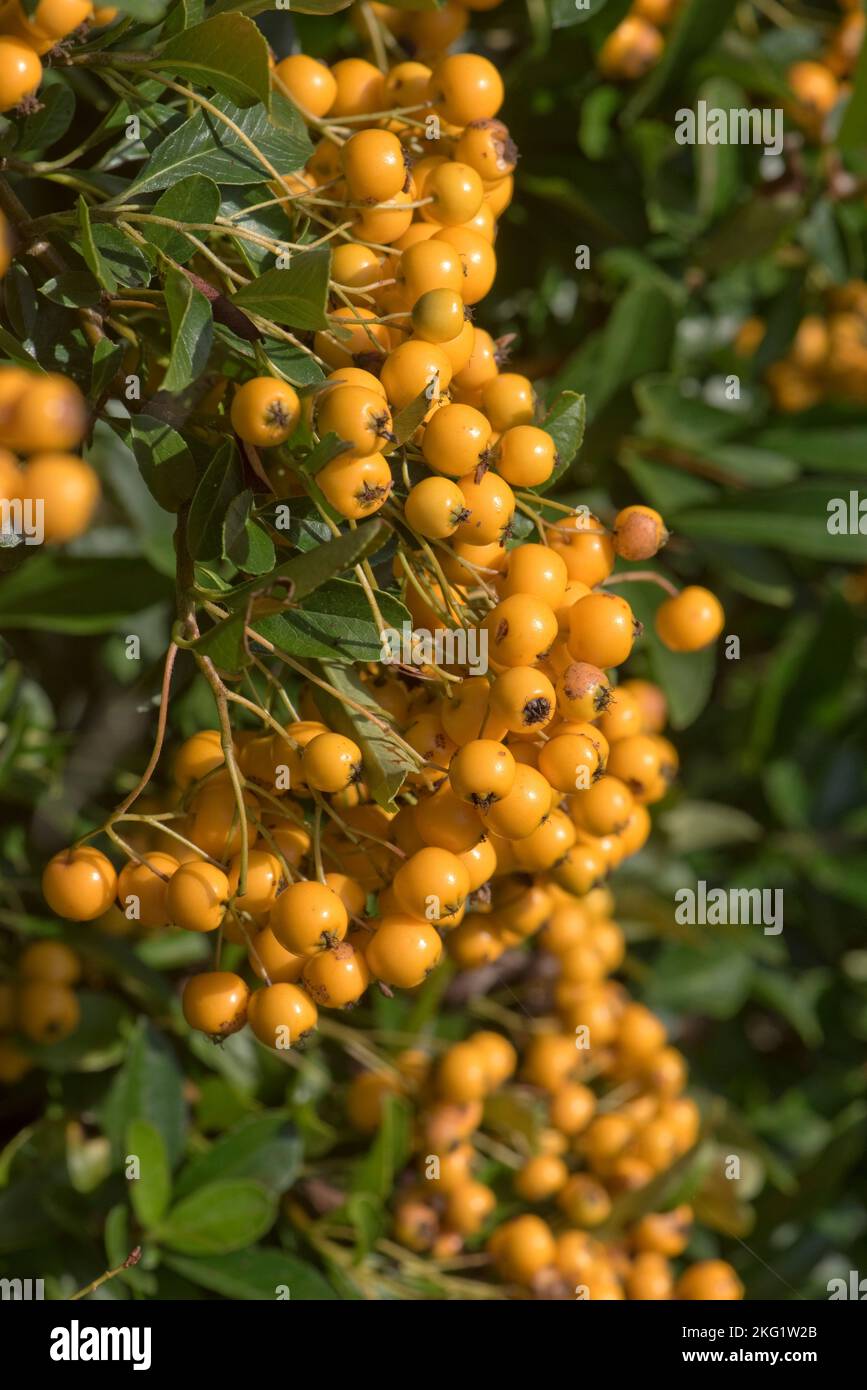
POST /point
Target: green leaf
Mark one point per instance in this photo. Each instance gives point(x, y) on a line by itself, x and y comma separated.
point(565, 423)
point(296, 296)
point(795, 520)
point(221, 482)
point(192, 327)
point(245, 543)
point(718, 167)
point(106, 363)
point(851, 133)
point(405, 423)
point(149, 1086)
point(77, 289)
point(120, 258)
point(264, 1148)
point(226, 1215)
point(255, 1274)
point(697, 825)
point(637, 339)
point(714, 980)
point(754, 228)
point(194, 199)
point(151, 1190)
point(227, 53)
point(314, 568)
point(62, 593)
point(387, 1155)
point(334, 623)
point(164, 460)
point(50, 123)
point(386, 765)
point(207, 146)
point(98, 266)
point(825, 448)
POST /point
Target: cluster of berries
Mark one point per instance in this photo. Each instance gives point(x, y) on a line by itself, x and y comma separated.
point(26, 38)
point(595, 1105)
point(43, 417)
point(827, 359)
point(39, 1004)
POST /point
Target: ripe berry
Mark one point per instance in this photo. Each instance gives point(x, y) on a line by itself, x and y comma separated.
point(491, 506)
point(68, 489)
point(264, 874)
point(51, 961)
point(541, 1177)
point(359, 88)
point(604, 808)
point(475, 942)
point(522, 1248)
point(265, 411)
point(20, 73)
point(197, 756)
point(488, 148)
point(526, 455)
point(281, 1015)
point(336, 977)
point(446, 821)
point(331, 762)
point(466, 88)
point(468, 1206)
point(359, 337)
point(482, 772)
point(583, 691)
point(215, 1003)
point(148, 882)
point(586, 547)
point(523, 699)
point(639, 533)
point(79, 884)
point(585, 1201)
point(477, 260)
point(537, 570)
point(571, 1108)
point(435, 507)
point(271, 961)
point(523, 809)
point(403, 951)
point(356, 487)
point(373, 163)
point(455, 442)
point(196, 896)
point(431, 884)
point(690, 621)
point(438, 316)
point(462, 1075)
point(570, 761)
point(429, 265)
point(457, 192)
point(664, 1233)
point(582, 869)
point(308, 917)
point(630, 50)
point(216, 826)
point(521, 630)
point(47, 1012)
point(709, 1279)
point(601, 629)
point(309, 83)
point(413, 368)
point(360, 418)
